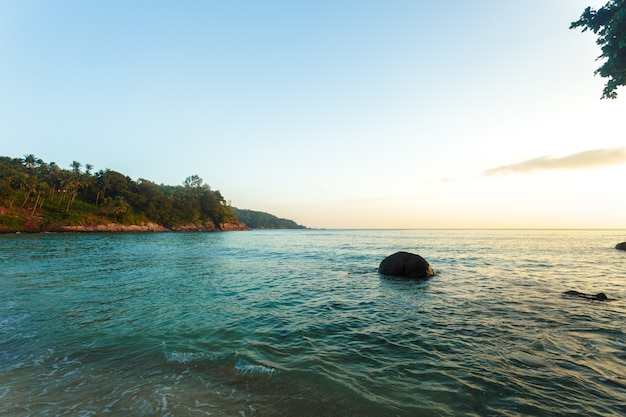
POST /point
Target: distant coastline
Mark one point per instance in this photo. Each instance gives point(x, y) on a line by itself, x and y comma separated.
point(36, 196)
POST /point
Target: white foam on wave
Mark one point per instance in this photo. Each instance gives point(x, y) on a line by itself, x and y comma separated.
point(250, 369)
point(185, 357)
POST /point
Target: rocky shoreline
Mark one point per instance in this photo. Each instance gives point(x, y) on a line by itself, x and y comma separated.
point(122, 228)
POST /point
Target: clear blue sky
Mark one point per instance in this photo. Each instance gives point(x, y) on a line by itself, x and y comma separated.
point(331, 113)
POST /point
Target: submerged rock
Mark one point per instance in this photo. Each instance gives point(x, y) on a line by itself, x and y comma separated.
point(407, 265)
point(597, 297)
point(621, 246)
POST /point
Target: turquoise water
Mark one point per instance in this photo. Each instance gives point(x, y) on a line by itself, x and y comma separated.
point(299, 323)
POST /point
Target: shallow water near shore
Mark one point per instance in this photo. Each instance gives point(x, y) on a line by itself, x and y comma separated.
point(299, 323)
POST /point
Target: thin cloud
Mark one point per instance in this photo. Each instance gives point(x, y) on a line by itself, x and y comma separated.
point(581, 160)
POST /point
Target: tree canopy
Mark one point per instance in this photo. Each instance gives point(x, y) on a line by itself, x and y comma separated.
point(609, 23)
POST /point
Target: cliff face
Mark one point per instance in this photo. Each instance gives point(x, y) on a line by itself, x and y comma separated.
point(211, 227)
point(238, 225)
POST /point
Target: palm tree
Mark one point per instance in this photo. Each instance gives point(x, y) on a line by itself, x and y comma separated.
point(103, 183)
point(29, 183)
point(42, 189)
point(30, 178)
point(30, 161)
point(54, 178)
point(74, 184)
point(75, 165)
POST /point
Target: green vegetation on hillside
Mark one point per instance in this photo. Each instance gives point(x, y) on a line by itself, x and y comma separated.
point(260, 220)
point(35, 195)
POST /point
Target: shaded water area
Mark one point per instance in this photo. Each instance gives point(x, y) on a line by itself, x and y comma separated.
point(299, 323)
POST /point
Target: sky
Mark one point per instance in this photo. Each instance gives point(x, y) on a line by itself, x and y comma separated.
point(332, 113)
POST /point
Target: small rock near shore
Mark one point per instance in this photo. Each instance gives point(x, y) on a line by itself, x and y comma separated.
point(596, 297)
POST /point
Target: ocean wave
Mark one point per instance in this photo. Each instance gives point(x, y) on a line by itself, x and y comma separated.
point(186, 357)
point(246, 368)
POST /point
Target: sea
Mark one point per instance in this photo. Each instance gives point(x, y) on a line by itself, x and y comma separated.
point(300, 323)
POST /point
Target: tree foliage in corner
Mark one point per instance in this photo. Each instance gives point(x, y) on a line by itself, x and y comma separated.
point(609, 23)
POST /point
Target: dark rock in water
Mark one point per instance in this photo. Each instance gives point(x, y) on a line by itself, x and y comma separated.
point(621, 246)
point(597, 297)
point(407, 265)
